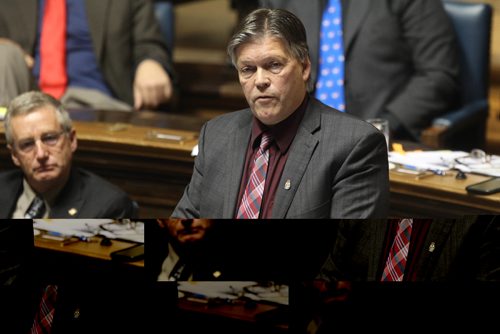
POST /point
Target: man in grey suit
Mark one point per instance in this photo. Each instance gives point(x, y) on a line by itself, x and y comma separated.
point(464, 249)
point(452, 265)
point(126, 62)
point(322, 163)
point(401, 58)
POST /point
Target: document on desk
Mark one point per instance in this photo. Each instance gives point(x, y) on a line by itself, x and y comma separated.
point(236, 289)
point(441, 160)
point(444, 160)
point(86, 228)
point(82, 228)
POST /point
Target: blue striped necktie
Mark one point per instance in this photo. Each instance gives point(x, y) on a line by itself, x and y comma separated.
point(330, 83)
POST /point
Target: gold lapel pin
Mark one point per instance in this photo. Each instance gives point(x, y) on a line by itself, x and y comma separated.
point(432, 247)
point(287, 184)
point(72, 211)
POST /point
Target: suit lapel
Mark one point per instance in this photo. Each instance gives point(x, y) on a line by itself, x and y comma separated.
point(301, 150)
point(238, 142)
point(378, 228)
point(10, 195)
point(438, 233)
point(70, 201)
point(355, 16)
point(97, 14)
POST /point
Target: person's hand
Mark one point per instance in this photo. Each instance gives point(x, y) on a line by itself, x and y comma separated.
point(27, 57)
point(152, 85)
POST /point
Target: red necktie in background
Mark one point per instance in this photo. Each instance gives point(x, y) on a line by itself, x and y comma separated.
point(53, 78)
point(396, 262)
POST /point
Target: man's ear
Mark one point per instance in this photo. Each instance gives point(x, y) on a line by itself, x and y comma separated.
point(306, 69)
point(13, 156)
point(73, 140)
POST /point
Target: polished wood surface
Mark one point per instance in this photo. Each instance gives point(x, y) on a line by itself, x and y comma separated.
point(258, 318)
point(439, 196)
point(91, 248)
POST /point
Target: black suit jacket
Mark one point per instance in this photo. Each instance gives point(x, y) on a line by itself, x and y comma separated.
point(466, 249)
point(85, 192)
point(16, 275)
point(401, 57)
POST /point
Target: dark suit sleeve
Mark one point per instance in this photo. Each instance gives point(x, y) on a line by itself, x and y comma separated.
point(148, 41)
point(489, 256)
point(348, 258)
point(432, 47)
point(120, 206)
point(189, 205)
point(361, 186)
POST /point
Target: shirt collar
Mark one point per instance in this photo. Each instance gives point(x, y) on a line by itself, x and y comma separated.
point(283, 132)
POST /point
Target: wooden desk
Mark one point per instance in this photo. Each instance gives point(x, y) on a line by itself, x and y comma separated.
point(84, 262)
point(438, 196)
point(227, 318)
point(91, 249)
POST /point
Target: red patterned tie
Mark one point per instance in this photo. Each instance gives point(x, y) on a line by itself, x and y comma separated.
point(53, 78)
point(42, 323)
point(252, 198)
point(396, 262)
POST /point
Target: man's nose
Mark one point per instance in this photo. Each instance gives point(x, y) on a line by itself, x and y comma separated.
point(41, 150)
point(262, 80)
point(186, 223)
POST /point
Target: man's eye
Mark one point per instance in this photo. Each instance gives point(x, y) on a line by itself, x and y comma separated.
point(275, 67)
point(49, 137)
point(26, 145)
point(246, 70)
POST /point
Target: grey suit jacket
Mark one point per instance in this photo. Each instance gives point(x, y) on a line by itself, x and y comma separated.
point(337, 167)
point(401, 57)
point(86, 193)
point(462, 249)
point(124, 32)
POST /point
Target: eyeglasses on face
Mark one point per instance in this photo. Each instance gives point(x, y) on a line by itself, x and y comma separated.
point(48, 139)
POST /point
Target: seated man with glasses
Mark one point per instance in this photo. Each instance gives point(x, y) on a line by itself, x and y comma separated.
point(42, 141)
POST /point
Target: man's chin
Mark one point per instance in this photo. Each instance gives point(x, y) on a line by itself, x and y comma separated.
point(267, 116)
point(46, 176)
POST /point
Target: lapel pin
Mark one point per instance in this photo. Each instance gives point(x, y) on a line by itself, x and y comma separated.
point(287, 184)
point(432, 247)
point(72, 211)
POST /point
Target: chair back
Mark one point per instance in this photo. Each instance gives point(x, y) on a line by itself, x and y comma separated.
point(472, 24)
point(164, 12)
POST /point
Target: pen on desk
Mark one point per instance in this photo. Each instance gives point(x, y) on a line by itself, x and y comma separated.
point(419, 169)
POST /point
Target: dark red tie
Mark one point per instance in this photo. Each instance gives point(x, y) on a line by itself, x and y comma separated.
point(53, 78)
point(42, 323)
point(396, 262)
point(252, 197)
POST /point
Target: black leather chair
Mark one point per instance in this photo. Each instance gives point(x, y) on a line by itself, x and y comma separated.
point(465, 128)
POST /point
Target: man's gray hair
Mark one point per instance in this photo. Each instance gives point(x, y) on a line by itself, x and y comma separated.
point(277, 23)
point(29, 102)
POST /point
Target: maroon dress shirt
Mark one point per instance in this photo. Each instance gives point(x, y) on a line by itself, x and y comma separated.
point(283, 134)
